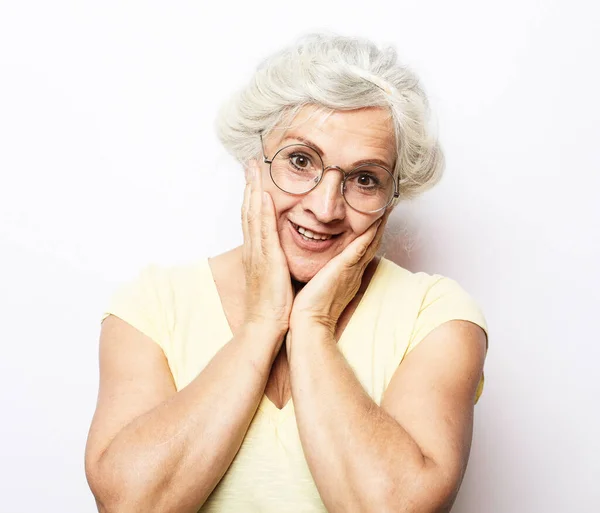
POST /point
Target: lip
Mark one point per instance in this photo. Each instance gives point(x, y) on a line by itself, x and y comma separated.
point(314, 231)
point(310, 245)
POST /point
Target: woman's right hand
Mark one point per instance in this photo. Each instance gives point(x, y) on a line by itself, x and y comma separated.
point(268, 292)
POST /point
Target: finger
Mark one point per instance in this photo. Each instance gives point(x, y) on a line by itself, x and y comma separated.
point(245, 207)
point(249, 174)
point(370, 240)
point(255, 205)
point(269, 223)
point(376, 242)
point(356, 250)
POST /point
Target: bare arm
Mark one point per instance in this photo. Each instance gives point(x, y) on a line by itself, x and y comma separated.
point(409, 454)
point(151, 448)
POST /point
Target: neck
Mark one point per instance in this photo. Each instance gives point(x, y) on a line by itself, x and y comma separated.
point(297, 286)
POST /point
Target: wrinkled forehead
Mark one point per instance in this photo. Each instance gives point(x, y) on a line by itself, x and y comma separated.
point(343, 137)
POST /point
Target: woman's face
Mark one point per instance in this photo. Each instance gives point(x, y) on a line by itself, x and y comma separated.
point(344, 139)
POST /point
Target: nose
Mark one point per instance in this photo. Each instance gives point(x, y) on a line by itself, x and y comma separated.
point(326, 201)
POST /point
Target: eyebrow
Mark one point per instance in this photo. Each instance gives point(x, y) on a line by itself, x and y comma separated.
point(361, 162)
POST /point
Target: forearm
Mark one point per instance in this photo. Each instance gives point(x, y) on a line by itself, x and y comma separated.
point(171, 458)
point(360, 457)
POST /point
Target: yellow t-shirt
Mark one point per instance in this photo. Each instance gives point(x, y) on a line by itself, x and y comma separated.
point(180, 309)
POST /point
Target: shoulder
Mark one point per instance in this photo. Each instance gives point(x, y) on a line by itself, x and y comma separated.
point(149, 295)
point(419, 283)
point(430, 299)
point(170, 280)
point(418, 286)
point(438, 309)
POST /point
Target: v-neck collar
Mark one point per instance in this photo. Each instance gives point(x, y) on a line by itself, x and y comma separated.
point(266, 404)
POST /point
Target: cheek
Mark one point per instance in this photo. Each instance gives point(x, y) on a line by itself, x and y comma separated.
point(282, 202)
point(360, 223)
point(360, 227)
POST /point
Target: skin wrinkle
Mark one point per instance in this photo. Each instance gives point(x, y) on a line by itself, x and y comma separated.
point(344, 138)
point(361, 74)
point(374, 452)
point(291, 138)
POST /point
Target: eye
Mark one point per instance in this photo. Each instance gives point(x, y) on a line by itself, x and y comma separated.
point(366, 180)
point(300, 161)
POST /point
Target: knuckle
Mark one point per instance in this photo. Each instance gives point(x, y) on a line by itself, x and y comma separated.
point(362, 249)
point(264, 231)
point(251, 217)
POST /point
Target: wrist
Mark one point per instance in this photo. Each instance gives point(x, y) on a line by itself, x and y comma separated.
point(264, 333)
point(307, 332)
point(312, 324)
point(265, 329)
point(305, 342)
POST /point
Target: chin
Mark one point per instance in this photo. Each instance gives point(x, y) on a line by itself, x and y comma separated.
point(304, 264)
point(304, 269)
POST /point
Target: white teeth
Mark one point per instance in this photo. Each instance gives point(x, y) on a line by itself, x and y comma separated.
point(310, 235)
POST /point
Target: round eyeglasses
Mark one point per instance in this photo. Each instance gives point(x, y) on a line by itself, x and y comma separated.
point(298, 169)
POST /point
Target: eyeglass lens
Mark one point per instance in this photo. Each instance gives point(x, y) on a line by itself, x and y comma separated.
point(297, 169)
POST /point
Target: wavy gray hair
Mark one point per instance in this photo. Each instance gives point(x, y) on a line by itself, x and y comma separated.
point(337, 73)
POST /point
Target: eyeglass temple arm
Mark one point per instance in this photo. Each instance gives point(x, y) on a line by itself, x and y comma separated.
point(397, 184)
point(262, 145)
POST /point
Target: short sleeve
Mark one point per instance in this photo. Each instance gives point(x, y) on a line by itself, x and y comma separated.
point(144, 303)
point(445, 300)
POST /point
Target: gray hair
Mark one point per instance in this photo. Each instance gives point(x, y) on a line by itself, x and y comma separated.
point(337, 73)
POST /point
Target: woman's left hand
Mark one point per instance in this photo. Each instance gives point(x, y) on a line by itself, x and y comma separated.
point(326, 295)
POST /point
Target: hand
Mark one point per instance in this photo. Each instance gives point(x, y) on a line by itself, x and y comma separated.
point(268, 292)
point(326, 295)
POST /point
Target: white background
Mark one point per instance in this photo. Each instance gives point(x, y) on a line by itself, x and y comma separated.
point(108, 161)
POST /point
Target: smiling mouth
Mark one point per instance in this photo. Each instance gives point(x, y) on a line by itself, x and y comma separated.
point(310, 235)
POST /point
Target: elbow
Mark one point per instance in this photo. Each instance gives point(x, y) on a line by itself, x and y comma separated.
point(429, 491)
point(109, 493)
point(117, 490)
point(111, 498)
point(108, 498)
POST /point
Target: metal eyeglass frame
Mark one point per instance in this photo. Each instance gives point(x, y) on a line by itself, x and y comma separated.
point(324, 169)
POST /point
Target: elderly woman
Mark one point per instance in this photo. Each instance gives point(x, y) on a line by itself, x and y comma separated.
point(299, 371)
